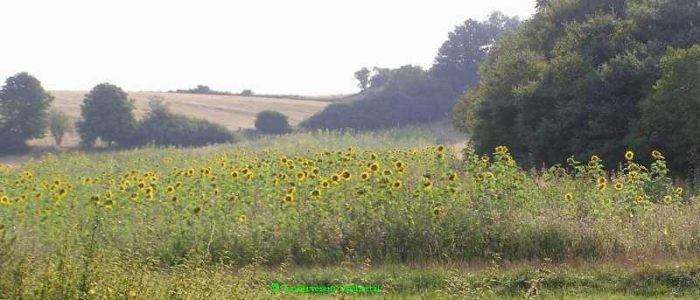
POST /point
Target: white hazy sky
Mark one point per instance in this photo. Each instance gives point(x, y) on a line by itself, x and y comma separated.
point(309, 47)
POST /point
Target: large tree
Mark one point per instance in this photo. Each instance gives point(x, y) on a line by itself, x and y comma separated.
point(459, 57)
point(23, 110)
point(107, 114)
point(570, 80)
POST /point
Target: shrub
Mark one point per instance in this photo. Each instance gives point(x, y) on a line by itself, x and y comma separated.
point(163, 128)
point(272, 122)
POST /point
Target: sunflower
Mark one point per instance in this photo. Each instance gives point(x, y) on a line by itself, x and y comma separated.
point(438, 210)
point(679, 191)
point(602, 180)
point(441, 155)
point(301, 176)
point(325, 184)
point(315, 171)
point(397, 184)
point(619, 186)
point(629, 155)
point(668, 199)
point(398, 164)
point(388, 172)
point(170, 189)
point(346, 175)
point(289, 198)
point(452, 177)
point(178, 185)
point(568, 197)
point(595, 158)
point(485, 159)
point(241, 219)
point(335, 178)
point(374, 167)
point(657, 155)
point(316, 194)
point(440, 149)
point(364, 175)
point(108, 203)
point(602, 186)
point(234, 174)
point(141, 184)
point(283, 160)
point(427, 185)
point(4, 200)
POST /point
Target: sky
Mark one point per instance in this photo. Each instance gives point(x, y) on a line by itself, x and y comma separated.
point(303, 47)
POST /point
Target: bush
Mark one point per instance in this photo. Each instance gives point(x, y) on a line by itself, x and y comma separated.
point(247, 93)
point(164, 128)
point(272, 122)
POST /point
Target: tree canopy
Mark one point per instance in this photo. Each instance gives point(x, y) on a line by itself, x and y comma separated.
point(107, 114)
point(24, 108)
point(570, 80)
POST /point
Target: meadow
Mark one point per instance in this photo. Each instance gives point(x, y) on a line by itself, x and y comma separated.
point(409, 209)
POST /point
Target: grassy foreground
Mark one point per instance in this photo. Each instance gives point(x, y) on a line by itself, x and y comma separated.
point(391, 209)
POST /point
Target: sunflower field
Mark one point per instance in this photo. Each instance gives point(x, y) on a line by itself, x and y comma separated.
point(78, 225)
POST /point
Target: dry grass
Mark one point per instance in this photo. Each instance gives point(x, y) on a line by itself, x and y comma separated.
point(234, 112)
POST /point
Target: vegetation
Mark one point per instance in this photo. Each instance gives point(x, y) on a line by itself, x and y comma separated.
point(24, 108)
point(202, 90)
point(572, 80)
point(403, 96)
point(178, 217)
point(409, 94)
point(59, 125)
point(107, 114)
point(161, 127)
point(272, 122)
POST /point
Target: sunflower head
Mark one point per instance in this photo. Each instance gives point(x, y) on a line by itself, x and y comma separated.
point(397, 184)
point(629, 155)
point(325, 184)
point(668, 199)
point(568, 197)
point(289, 198)
point(364, 176)
point(374, 167)
point(619, 186)
point(657, 155)
point(316, 193)
point(242, 218)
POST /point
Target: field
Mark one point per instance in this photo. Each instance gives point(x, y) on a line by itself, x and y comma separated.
point(234, 112)
point(395, 209)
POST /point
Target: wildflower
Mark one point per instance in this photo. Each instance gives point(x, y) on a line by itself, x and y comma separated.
point(4, 200)
point(679, 191)
point(141, 184)
point(568, 197)
point(108, 203)
point(668, 199)
point(364, 176)
point(657, 155)
point(315, 171)
point(629, 155)
point(602, 186)
point(427, 185)
point(619, 186)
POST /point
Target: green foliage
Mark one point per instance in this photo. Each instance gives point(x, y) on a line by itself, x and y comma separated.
point(107, 114)
point(59, 125)
point(670, 115)
point(570, 80)
point(362, 77)
point(23, 111)
point(161, 127)
point(203, 90)
point(459, 57)
point(247, 93)
point(404, 96)
point(272, 122)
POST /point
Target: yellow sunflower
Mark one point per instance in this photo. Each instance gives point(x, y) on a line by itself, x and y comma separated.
point(568, 197)
point(629, 155)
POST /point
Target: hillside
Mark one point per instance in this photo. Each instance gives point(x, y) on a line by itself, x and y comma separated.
point(234, 112)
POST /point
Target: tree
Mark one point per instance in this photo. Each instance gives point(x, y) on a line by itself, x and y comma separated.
point(670, 115)
point(362, 77)
point(570, 80)
point(459, 57)
point(23, 110)
point(272, 122)
point(59, 125)
point(107, 114)
point(247, 93)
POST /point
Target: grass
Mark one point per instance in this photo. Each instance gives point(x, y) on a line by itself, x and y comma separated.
point(428, 221)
